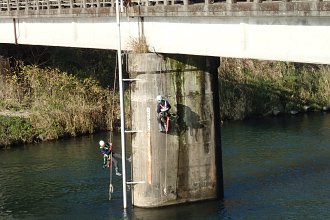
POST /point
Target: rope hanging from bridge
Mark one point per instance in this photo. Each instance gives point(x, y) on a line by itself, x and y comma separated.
point(166, 160)
point(110, 185)
point(111, 129)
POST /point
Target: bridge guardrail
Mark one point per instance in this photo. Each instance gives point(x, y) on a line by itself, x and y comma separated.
point(13, 5)
point(64, 8)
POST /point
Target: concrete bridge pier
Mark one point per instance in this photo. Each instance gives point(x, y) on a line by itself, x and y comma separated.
point(183, 165)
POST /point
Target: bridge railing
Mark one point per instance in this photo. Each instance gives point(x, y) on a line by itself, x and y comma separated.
point(14, 5)
point(65, 8)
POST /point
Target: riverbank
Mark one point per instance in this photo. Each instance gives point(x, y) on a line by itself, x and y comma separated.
point(250, 88)
point(43, 103)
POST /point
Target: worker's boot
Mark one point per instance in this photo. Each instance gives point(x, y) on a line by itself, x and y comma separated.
point(160, 127)
point(117, 172)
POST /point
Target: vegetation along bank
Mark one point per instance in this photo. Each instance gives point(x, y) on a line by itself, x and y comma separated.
point(49, 93)
point(250, 88)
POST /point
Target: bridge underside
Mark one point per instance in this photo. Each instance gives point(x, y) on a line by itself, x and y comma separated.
point(304, 39)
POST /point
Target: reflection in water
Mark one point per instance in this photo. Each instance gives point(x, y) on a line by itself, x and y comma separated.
point(198, 210)
point(274, 168)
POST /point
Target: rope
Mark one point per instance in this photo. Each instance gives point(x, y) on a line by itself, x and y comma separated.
point(111, 129)
point(113, 99)
point(110, 186)
point(161, 87)
point(165, 190)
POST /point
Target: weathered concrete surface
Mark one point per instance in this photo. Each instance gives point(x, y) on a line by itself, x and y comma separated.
point(179, 166)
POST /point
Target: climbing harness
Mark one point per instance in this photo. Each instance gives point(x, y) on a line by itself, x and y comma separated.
point(164, 107)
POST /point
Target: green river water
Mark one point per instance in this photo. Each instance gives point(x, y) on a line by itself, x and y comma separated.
point(274, 168)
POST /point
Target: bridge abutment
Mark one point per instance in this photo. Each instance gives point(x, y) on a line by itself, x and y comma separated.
point(182, 165)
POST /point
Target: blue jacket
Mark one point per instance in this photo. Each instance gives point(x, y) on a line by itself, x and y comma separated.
point(106, 149)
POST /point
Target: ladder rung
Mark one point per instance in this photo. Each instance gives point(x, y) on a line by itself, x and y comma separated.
point(131, 79)
point(133, 131)
point(135, 182)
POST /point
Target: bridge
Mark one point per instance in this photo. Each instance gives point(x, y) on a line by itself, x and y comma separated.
point(295, 31)
point(182, 162)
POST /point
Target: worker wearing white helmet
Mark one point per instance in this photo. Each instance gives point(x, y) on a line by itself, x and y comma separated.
point(106, 149)
point(163, 107)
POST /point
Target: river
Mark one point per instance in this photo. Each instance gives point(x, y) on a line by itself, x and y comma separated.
point(274, 168)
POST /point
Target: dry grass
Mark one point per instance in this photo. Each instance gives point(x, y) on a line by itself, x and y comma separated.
point(59, 103)
point(252, 87)
point(139, 45)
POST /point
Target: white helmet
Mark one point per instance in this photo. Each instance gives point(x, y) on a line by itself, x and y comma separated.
point(159, 98)
point(101, 143)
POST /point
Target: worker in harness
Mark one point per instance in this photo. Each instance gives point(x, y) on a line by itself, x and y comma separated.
point(106, 149)
point(163, 107)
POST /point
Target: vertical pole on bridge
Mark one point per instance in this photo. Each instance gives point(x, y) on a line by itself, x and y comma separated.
point(122, 109)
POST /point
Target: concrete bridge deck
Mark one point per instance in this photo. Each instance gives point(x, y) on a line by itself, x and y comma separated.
point(295, 31)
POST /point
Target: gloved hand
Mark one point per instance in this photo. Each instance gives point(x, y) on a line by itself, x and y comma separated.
point(106, 155)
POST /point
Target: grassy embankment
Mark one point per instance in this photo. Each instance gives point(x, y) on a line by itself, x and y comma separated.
point(59, 105)
point(65, 91)
point(65, 105)
point(251, 88)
